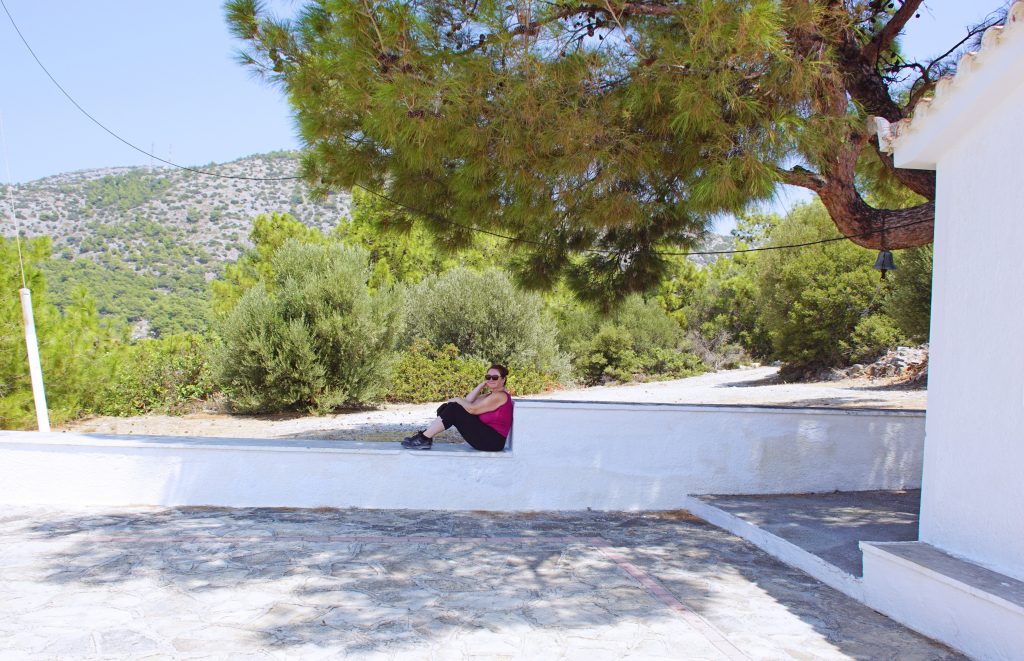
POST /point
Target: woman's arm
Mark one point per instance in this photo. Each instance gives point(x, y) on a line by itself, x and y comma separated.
point(471, 397)
point(485, 405)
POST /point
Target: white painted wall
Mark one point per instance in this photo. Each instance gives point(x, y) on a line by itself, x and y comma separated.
point(984, 619)
point(567, 456)
point(973, 492)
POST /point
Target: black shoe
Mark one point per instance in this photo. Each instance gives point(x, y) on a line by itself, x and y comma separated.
point(409, 438)
point(417, 442)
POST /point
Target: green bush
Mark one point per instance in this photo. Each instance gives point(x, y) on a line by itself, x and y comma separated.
point(608, 355)
point(427, 374)
point(165, 375)
point(651, 327)
point(910, 300)
point(671, 364)
point(638, 341)
point(873, 336)
point(485, 316)
point(309, 335)
point(814, 298)
point(77, 349)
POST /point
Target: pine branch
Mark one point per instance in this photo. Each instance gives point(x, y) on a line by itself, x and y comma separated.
point(887, 35)
point(802, 177)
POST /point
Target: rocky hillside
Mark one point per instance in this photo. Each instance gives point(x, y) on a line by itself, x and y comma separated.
point(94, 213)
point(144, 242)
point(99, 213)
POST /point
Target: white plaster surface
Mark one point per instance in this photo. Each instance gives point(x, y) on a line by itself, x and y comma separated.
point(567, 456)
point(954, 601)
point(972, 503)
point(964, 103)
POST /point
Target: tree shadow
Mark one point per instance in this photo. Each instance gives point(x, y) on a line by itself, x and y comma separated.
point(837, 402)
point(379, 588)
point(542, 574)
point(770, 380)
point(373, 432)
point(831, 525)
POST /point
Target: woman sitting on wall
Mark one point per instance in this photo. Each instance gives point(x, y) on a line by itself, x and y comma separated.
point(483, 421)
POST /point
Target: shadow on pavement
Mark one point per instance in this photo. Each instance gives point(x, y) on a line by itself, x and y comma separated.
point(275, 579)
point(830, 525)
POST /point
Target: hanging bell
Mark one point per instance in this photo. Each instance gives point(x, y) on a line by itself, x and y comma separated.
point(885, 262)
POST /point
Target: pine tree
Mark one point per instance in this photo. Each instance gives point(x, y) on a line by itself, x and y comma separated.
point(619, 126)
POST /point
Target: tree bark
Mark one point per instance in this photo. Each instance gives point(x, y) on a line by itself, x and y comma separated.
point(835, 184)
point(879, 229)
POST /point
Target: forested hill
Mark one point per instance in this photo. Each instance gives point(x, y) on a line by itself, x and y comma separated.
point(97, 213)
point(145, 242)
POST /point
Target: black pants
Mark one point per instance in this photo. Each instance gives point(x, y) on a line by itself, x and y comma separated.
point(478, 434)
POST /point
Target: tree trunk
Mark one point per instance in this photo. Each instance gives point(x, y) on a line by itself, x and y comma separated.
point(880, 229)
point(867, 226)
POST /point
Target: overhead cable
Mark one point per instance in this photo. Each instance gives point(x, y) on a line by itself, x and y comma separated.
point(112, 133)
point(435, 217)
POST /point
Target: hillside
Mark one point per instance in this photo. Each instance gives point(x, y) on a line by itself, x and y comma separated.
point(144, 242)
point(91, 213)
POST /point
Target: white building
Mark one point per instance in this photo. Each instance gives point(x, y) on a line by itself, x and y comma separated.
point(962, 582)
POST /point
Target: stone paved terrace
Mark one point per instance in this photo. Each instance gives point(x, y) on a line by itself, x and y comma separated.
point(203, 583)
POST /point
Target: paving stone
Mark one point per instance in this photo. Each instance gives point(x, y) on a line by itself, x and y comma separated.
point(208, 583)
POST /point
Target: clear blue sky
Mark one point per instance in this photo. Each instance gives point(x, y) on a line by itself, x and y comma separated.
point(162, 75)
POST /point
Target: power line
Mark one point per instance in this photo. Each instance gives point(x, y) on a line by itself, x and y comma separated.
point(112, 133)
point(437, 218)
point(666, 253)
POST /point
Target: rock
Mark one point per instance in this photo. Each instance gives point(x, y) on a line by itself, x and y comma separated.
point(898, 362)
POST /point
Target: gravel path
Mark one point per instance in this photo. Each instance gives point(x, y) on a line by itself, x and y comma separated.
point(757, 385)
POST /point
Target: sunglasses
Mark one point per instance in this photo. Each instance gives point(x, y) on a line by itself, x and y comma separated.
point(492, 377)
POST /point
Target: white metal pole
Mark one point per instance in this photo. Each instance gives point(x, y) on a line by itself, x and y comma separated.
point(36, 372)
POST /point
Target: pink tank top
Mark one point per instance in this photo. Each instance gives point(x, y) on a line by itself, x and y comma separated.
point(500, 419)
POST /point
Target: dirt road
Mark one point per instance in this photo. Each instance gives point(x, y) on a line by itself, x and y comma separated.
point(756, 385)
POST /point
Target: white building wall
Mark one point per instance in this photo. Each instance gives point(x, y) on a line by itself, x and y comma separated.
point(973, 481)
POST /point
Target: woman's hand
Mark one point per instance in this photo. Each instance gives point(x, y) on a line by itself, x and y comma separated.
point(471, 397)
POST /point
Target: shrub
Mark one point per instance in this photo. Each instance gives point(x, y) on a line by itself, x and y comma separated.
point(873, 336)
point(910, 300)
point(813, 299)
point(651, 327)
point(163, 375)
point(308, 335)
point(608, 355)
point(639, 340)
point(427, 374)
point(424, 373)
point(485, 316)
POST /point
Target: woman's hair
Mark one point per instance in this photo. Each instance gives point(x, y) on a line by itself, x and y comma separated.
point(502, 370)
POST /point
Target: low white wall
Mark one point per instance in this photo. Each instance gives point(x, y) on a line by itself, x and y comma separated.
point(566, 456)
point(970, 608)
